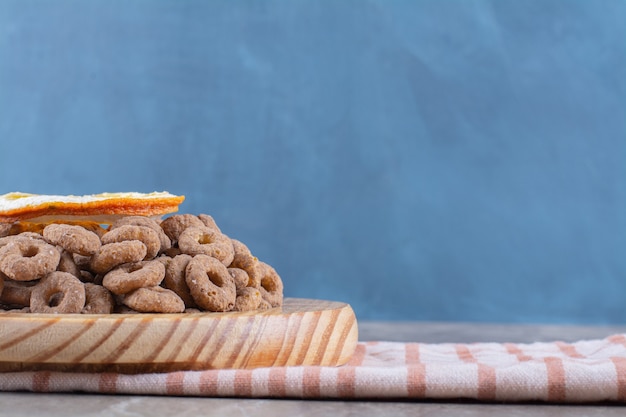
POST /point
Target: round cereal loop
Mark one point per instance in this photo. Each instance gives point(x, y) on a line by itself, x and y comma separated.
point(82, 262)
point(128, 277)
point(271, 285)
point(248, 299)
point(209, 222)
point(58, 292)
point(16, 293)
point(211, 286)
point(122, 309)
point(114, 254)
point(144, 234)
point(154, 300)
point(243, 259)
point(26, 235)
point(172, 252)
point(87, 276)
point(204, 241)
point(67, 264)
point(175, 278)
point(27, 259)
point(174, 225)
point(98, 300)
point(5, 229)
point(74, 239)
point(147, 222)
point(240, 276)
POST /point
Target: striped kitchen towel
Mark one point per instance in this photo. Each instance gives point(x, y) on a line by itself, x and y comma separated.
point(585, 371)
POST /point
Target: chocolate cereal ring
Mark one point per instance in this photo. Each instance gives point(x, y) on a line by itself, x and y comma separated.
point(74, 239)
point(204, 241)
point(154, 300)
point(98, 300)
point(240, 276)
point(16, 293)
point(149, 237)
point(243, 259)
point(117, 253)
point(211, 286)
point(248, 299)
point(58, 292)
point(147, 222)
point(5, 229)
point(27, 259)
point(175, 278)
point(174, 225)
point(209, 222)
point(128, 277)
point(67, 264)
point(271, 285)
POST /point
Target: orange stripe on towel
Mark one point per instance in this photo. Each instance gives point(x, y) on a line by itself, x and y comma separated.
point(346, 375)
point(416, 372)
point(486, 374)
point(569, 350)
point(556, 379)
point(620, 370)
point(515, 350)
point(174, 383)
point(41, 381)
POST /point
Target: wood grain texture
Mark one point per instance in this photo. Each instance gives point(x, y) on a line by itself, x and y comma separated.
point(301, 332)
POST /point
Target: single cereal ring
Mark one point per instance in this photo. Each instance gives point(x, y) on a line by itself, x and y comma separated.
point(87, 276)
point(74, 239)
point(27, 259)
point(243, 259)
point(174, 225)
point(271, 285)
point(209, 222)
point(122, 309)
point(67, 264)
point(175, 278)
point(128, 277)
point(28, 235)
point(154, 300)
point(144, 234)
point(146, 222)
point(5, 229)
point(240, 276)
point(211, 286)
point(16, 293)
point(114, 254)
point(98, 300)
point(82, 262)
point(58, 292)
point(248, 299)
point(204, 241)
point(172, 252)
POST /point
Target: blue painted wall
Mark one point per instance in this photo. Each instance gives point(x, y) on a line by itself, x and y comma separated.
point(431, 160)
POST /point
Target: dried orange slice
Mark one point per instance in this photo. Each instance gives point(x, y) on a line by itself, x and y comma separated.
point(101, 208)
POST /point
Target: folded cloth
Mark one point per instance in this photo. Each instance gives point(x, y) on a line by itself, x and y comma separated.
point(585, 371)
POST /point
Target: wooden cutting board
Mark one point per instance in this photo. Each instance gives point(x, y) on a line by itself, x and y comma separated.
point(301, 332)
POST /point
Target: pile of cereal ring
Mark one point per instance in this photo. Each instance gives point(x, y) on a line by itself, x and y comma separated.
point(183, 263)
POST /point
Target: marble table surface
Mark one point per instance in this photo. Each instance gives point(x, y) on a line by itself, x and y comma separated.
point(67, 405)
